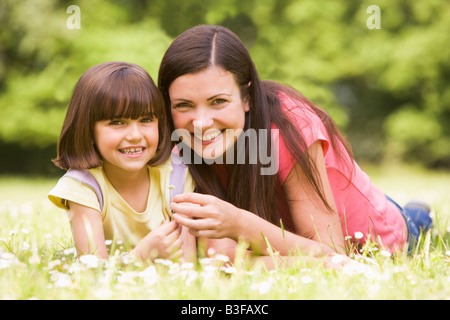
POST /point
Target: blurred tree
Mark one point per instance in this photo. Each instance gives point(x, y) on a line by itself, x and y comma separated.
point(41, 59)
point(387, 88)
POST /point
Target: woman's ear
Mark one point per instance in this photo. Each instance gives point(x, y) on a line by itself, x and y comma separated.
point(247, 104)
point(247, 98)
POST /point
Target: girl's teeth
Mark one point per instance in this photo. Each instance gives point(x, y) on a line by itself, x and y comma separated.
point(131, 150)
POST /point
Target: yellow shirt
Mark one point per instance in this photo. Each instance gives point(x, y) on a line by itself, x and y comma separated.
point(120, 221)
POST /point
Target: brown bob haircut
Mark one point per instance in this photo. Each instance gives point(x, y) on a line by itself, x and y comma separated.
point(107, 91)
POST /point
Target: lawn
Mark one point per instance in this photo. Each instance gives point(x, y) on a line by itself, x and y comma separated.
point(37, 258)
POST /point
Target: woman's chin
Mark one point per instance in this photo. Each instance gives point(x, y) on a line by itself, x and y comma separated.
point(211, 155)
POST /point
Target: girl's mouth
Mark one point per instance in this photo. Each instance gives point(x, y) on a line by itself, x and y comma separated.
point(132, 150)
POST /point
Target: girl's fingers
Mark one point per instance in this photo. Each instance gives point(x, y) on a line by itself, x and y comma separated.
point(177, 254)
point(174, 251)
point(169, 226)
point(172, 234)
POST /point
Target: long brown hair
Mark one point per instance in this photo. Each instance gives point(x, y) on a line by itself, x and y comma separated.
point(106, 91)
point(203, 46)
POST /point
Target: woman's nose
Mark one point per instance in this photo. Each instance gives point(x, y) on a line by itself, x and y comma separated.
point(202, 119)
point(203, 124)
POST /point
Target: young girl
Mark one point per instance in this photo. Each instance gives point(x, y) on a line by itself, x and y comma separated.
point(114, 140)
point(212, 92)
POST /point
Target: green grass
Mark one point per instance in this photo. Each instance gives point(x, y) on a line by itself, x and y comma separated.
point(37, 258)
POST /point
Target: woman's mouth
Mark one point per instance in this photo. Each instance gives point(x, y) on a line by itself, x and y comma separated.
point(208, 136)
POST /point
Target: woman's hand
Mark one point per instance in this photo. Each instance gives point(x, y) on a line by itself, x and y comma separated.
point(163, 242)
point(206, 216)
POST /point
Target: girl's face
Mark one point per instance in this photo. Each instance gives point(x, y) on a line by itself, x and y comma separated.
point(208, 105)
point(126, 145)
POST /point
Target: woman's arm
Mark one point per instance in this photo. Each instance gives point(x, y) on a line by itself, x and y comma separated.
point(312, 219)
point(318, 231)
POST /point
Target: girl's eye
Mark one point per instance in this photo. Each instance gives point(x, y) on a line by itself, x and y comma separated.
point(115, 122)
point(147, 119)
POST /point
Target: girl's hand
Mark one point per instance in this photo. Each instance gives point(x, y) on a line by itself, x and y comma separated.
point(206, 216)
point(163, 242)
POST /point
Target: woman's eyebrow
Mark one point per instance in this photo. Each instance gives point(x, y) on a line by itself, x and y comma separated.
point(219, 94)
point(180, 99)
point(208, 99)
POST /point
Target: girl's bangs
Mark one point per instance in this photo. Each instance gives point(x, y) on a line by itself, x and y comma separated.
point(129, 98)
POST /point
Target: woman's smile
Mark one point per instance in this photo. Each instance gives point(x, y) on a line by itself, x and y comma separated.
point(209, 136)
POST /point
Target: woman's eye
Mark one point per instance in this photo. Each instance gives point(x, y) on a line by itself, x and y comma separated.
point(218, 101)
point(180, 105)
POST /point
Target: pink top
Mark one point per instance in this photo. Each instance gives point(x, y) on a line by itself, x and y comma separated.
point(362, 207)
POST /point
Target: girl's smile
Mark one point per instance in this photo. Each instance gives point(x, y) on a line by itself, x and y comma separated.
point(132, 151)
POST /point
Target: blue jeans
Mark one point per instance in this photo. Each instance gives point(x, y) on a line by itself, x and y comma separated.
point(417, 219)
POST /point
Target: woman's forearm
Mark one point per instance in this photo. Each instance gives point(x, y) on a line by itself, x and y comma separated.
point(257, 231)
point(213, 218)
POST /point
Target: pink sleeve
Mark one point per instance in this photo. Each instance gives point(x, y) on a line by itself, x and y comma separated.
point(310, 126)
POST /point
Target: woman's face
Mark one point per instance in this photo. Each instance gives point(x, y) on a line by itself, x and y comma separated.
point(209, 107)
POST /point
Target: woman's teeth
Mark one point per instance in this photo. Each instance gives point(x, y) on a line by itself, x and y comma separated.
point(208, 136)
point(131, 150)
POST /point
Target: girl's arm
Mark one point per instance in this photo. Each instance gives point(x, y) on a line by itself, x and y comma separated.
point(89, 237)
point(87, 230)
point(318, 231)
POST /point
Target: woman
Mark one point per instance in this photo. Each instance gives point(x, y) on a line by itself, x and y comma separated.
point(225, 114)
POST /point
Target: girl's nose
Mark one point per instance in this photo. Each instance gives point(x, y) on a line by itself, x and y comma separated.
point(134, 133)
